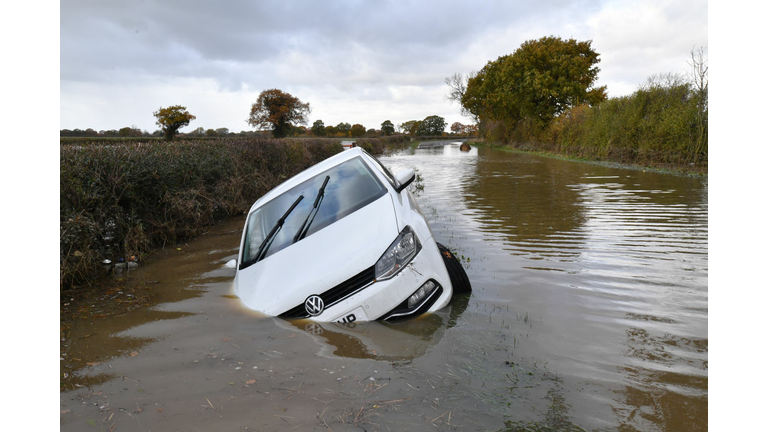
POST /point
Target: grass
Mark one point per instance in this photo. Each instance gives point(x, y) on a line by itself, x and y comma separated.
point(678, 169)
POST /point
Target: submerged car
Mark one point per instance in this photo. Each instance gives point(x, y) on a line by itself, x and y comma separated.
point(344, 241)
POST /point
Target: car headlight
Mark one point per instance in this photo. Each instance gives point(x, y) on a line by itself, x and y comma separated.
point(398, 254)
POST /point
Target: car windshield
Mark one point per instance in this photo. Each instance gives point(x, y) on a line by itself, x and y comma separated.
point(351, 186)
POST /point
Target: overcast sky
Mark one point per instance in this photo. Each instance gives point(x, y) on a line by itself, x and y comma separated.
point(353, 61)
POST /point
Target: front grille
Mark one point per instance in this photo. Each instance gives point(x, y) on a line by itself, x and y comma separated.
point(337, 293)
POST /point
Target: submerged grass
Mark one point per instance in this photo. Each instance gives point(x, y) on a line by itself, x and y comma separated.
point(658, 167)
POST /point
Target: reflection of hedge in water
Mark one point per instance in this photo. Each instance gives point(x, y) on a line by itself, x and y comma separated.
point(121, 200)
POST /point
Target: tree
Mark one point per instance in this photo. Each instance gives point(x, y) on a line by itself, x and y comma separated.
point(432, 126)
point(539, 81)
point(279, 111)
point(172, 118)
point(343, 128)
point(387, 128)
point(700, 79)
point(318, 128)
point(357, 130)
point(198, 132)
point(457, 86)
point(411, 127)
point(222, 131)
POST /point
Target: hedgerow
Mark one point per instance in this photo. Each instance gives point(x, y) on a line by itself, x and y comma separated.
point(120, 200)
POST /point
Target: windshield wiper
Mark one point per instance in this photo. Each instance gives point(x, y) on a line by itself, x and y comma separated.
point(311, 216)
point(271, 236)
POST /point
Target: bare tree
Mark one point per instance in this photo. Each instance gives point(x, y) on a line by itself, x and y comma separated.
point(699, 73)
point(699, 69)
point(457, 86)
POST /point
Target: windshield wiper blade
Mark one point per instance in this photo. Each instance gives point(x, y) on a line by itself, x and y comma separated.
point(271, 236)
point(311, 216)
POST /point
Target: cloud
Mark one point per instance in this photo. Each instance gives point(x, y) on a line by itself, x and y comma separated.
point(376, 56)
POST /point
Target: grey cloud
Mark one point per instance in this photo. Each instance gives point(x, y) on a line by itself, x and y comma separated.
point(176, 37)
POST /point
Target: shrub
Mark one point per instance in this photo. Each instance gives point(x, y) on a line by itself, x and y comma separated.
point(122, 199)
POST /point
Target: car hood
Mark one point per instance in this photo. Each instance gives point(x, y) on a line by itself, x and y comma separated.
point(320, 261)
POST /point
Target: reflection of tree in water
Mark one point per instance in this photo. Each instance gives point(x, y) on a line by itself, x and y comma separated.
point(658, 395)
point(526, 198)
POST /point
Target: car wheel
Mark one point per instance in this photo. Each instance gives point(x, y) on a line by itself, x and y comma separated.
point(458, 276)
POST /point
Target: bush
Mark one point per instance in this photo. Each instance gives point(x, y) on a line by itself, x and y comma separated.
point(376, 146)
point(121, 199)
point(663, 122)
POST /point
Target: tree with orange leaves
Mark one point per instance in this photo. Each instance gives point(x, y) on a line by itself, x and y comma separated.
point(279, 111)
point(172, 118)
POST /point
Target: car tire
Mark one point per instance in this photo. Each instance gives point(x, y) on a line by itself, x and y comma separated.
point(459, 278)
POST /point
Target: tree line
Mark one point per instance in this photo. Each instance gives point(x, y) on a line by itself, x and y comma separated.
point(282, 115)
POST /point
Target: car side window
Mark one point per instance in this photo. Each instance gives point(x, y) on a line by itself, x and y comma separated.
point(380, 166)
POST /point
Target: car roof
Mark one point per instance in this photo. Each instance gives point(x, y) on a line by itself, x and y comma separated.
point(307, 174)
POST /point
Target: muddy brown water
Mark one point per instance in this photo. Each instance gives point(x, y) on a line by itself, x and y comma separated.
point(589, 312)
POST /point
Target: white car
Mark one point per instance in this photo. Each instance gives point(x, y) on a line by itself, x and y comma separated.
point(344, 241)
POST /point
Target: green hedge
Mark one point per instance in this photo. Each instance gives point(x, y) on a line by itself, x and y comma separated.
point(378, 145)
point(665, 124)
point(123, 199)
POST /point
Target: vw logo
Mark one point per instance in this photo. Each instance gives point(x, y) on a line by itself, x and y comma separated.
point(313, 328)
point(314, 305)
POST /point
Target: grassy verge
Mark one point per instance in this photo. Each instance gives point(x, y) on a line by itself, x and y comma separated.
point(668, 168)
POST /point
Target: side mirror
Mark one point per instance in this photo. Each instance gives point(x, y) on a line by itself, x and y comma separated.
point(404, 178)
point(232, 264)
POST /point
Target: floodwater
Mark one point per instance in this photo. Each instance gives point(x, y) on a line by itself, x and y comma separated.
point(589, 311)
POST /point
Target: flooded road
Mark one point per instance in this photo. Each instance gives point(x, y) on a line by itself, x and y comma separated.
point(589, 312)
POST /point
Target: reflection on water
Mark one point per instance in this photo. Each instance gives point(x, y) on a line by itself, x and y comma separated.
point(400, 341)
point(611, 263)
point(588, 311)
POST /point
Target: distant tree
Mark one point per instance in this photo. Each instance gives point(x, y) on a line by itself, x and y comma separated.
point(330, 130)
point(387, 128)
point(357, 130)
point(343, 128)
point(132, 131)
point(318, 128)
point(157, 133)
point(457, 128)
point(539, 81)
point(432, 126)
point(172, 118)
point(411, 127)
point(372, 133)
point(222, 131)
point(210, 133)
point(279, 111)
point(198, 132)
